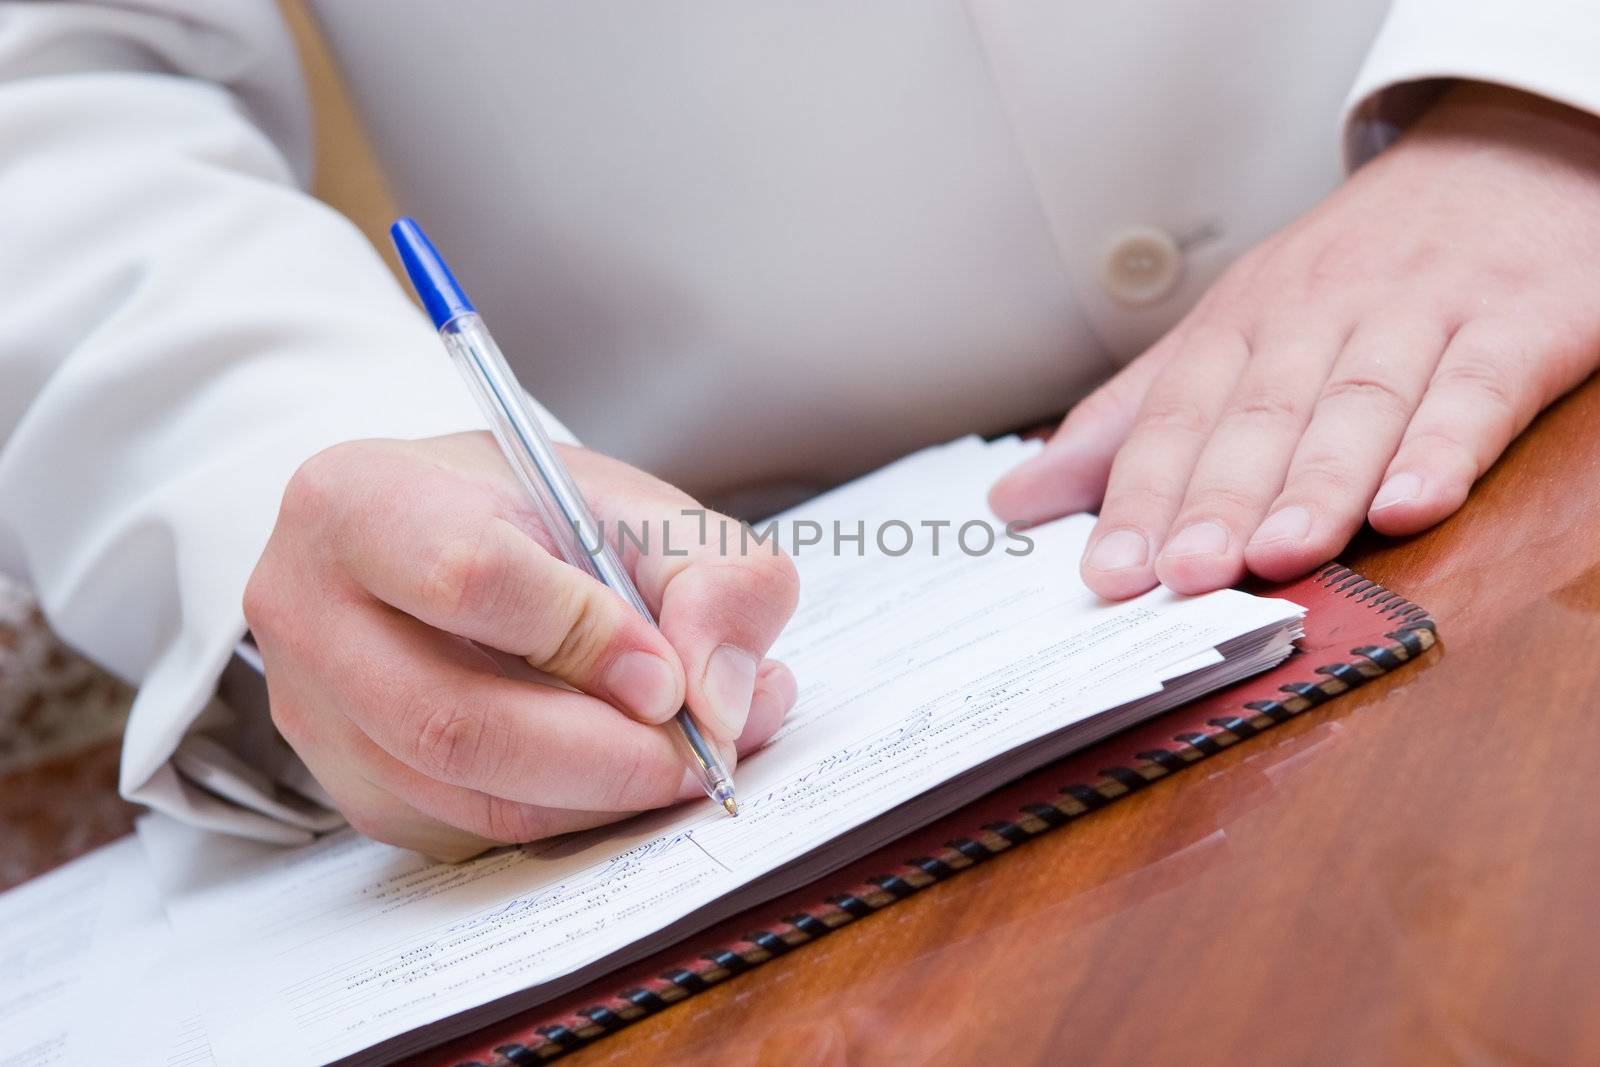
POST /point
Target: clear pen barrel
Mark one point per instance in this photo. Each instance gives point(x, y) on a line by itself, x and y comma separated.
point(533, 456)
point(562, 508)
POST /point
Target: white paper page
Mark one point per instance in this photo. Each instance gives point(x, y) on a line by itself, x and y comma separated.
point(46, 944)
point(88, 972)
point(139, 1006)
point(912, 670)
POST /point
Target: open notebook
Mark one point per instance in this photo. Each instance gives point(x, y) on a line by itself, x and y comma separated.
point(927, 678)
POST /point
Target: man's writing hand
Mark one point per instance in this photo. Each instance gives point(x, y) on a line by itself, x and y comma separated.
point(393, 562)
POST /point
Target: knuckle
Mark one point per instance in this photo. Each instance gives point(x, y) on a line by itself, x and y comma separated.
point(1329, 475)
point(450, 744)
point(511, 823)
point(1440, 449)
point(638, 778)
point(1253, 405)
point(1173, 414)
point(1367, 392)
point(585, 629)
point(465, 578)
point(322, 482)
point(1338, 262)
point(289, 720)
point(260, 602)
point(1135, 499)
point(1482, 379)
point(1212, 339)
point(1433, 441)
point(1221, 500)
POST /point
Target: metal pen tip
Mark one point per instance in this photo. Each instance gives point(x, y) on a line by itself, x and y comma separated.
point(722, 793)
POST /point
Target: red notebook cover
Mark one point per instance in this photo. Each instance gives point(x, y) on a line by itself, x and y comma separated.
point(1355, 630)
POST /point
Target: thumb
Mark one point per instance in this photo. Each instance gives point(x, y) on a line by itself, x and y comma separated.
point(1070, 475)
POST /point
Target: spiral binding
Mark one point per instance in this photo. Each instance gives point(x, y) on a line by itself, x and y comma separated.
point(1413, 635)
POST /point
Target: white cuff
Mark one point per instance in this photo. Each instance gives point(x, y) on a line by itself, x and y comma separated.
point(1545, 47)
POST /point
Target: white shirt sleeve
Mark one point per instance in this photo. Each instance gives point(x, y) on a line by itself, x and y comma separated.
point(1545, 47)
point(184, 326)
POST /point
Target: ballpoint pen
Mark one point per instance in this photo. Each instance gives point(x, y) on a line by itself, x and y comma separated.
point(533, 457)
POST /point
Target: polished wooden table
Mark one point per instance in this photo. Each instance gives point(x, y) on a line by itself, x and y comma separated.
point(1408, 875)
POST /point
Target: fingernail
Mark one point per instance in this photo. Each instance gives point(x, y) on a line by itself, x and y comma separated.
point(1285, 524)
point(1119, 550)
point(644, 684)
point(1201, 539)
point(730, 682)
point(1400, 489)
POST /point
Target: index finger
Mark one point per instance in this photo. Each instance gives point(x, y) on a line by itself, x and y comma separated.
point(1152, 470)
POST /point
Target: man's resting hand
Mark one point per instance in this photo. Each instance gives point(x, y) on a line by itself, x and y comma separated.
point(1368, 362)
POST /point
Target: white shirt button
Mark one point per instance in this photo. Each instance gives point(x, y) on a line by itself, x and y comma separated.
point(1142, 265)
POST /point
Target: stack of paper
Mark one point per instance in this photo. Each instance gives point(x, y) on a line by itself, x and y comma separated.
point(927, 678)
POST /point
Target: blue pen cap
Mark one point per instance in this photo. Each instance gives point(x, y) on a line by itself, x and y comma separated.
point(441, 295)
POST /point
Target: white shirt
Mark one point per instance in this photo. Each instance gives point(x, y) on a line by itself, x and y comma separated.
point(753, 247)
